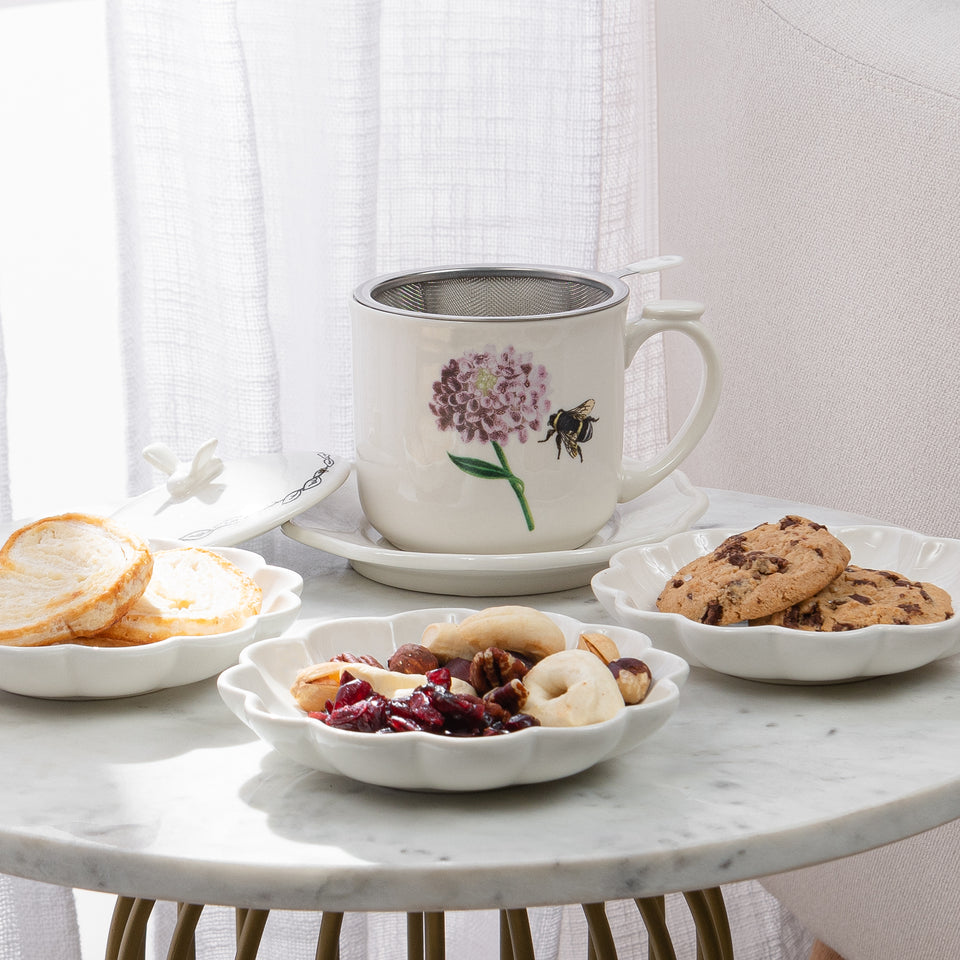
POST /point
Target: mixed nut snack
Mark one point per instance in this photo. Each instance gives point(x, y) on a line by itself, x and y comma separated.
point(499, 670)
point(795, 573)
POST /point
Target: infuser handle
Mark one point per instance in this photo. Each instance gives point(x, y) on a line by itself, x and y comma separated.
point(650, 265)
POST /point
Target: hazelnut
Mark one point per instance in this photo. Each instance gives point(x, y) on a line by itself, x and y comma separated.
point(494, 667)
point(600, 645)
point(412, 658)
point(633, 678)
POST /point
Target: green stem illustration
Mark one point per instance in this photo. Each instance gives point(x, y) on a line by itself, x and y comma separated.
point(516, 483)
point(492, 471)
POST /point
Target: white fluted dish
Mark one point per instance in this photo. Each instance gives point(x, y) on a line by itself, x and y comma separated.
point(629, 587)
point(257, 691)
point(73, 672)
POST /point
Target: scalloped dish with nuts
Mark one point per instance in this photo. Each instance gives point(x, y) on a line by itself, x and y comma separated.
point(496, 671)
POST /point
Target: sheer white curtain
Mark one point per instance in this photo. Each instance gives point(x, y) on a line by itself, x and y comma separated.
point(272, 156)
point(37, 922)
point(5, 506)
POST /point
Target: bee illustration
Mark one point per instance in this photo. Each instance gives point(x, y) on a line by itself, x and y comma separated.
point(572, 427)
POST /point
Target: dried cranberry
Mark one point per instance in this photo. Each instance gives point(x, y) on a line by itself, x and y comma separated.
point(365, 716)
point(351, 690)
point(397, 723)
point(440, 677)
point(462, 711)
point(415, 712)
point(520, 721)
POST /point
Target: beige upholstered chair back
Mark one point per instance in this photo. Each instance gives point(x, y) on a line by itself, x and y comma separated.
point(810, 176)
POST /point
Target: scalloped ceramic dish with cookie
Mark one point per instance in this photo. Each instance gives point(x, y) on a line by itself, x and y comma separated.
point(281, 687)
point(823, 636)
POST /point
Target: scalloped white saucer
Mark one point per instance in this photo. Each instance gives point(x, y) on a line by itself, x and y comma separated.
point(338, 526)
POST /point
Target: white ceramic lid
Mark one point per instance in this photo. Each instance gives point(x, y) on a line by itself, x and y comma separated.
point(213, 502)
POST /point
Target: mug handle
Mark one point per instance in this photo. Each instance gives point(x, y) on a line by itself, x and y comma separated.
point(682, 316)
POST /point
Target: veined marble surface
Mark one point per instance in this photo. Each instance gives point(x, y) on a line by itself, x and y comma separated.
point(168, 796)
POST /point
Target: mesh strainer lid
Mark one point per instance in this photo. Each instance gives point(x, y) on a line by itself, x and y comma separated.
point(493, 292)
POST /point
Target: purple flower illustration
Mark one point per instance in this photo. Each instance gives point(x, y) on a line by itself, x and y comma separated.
point(488, 395)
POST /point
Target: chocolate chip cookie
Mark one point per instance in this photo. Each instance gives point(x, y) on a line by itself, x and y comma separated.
point(860, 597)
point(756, 573)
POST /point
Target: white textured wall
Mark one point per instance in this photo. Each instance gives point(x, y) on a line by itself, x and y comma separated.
point(810, 174)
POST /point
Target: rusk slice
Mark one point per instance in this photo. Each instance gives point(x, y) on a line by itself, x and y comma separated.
point(193, 592)
point(68, 576)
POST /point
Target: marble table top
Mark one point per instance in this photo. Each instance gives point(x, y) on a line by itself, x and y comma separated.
point(169, 796)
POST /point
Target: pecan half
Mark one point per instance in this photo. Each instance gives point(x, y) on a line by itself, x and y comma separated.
point(348, 657)
point(494, 667)
point(509, 696)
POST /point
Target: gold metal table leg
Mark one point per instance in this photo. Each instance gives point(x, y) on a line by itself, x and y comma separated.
point(506, 944)
point(121, 912)
point(133, 943)
point(182, 944)
point(653, 911)
point(708, 941)
point(240, 914)
point(434, 936)
point(414, 936)
point(251, 932)
point(426, 931)
point(328, 943)
point(601, 946)
point(710, 919)
point(721, 922)
point(521, 940)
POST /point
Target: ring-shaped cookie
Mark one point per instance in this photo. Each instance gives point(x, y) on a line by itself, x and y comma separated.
point(572, 688)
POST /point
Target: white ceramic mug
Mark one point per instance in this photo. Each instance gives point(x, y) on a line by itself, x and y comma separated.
point(489, 405)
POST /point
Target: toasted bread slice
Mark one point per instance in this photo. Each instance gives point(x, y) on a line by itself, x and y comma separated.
point(192, 592)
point(68, 576)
